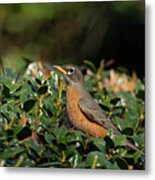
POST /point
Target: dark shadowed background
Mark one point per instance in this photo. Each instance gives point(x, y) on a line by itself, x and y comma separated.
point(72, 32)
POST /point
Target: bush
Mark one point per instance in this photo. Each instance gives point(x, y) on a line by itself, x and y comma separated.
point(33, 132)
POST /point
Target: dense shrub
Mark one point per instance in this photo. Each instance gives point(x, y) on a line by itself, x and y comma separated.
point(33, 132)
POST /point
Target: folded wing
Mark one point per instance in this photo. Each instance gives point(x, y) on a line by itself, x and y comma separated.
point(94, 113)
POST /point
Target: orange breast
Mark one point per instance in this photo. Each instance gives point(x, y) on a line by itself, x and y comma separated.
point(78, 119)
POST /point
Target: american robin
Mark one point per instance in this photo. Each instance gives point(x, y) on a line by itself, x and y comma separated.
point(83, 111)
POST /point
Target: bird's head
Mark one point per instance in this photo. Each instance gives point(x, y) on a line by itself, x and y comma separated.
point(71, 73)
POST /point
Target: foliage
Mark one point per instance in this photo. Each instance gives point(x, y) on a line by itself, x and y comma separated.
point(33, 133)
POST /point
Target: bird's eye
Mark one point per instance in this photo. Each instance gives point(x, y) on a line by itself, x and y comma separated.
point(70, 71)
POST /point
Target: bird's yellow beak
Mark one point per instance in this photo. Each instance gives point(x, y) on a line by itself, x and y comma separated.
point(59, 68)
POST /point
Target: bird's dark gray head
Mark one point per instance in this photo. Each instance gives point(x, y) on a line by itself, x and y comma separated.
point(72, 73)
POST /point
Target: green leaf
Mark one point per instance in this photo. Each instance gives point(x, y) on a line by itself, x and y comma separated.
point(100, 144)
point(135, 155)
point(61, 133)
point(27, 92)
point(9, 83)
point(91, 65)
point(75, 158)
point(17, 129)
point(122, 124)
point(45, 121)
point(97, 159)
point(75, 136)
point(38, 148)
point(89, 85)
point(139, 86)
point(140, 140)
point(49, 138)
point(11, 153)
point(119, 140)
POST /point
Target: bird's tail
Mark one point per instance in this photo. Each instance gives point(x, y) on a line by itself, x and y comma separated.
point(132, 146)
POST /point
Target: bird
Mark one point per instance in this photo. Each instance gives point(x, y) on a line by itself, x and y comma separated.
point(83, 111)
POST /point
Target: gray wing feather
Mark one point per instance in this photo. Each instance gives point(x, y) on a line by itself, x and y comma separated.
point(94, 113)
